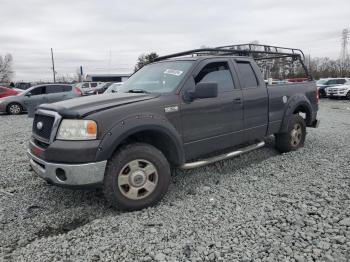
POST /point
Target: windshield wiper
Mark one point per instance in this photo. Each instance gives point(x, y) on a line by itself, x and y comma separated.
point(137, 91)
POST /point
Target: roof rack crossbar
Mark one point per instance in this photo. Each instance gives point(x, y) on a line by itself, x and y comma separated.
point(269, 52)
point(217, 51)
point(265, 48)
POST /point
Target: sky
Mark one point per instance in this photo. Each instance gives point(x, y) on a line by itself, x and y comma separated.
point(107, 36)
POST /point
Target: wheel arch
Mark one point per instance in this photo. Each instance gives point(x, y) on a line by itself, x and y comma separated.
point(296, 105)
point(149, 129)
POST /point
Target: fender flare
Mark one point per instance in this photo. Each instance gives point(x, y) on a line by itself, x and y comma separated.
point(298, 100)
point(138, 123)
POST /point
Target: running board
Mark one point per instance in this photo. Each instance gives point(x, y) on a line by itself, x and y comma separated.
point(214, 159)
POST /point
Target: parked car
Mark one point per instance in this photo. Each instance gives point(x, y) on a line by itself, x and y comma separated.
point(113, 88)
point(23, 85)
point(87, 86)
point(100, 89)
point(341, 91)
point(37, 95)
point(322, 84)
point(171, 113)
point(5, 91)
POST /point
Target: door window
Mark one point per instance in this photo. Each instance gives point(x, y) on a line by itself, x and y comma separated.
point(217, 72)
point(85, 85)
point(53, 89)
point(38, 91)
point(93, 84)
point(247, 75)
point(66, 88)
point(341, 81)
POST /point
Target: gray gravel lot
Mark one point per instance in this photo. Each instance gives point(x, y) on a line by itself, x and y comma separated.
point(261, 206)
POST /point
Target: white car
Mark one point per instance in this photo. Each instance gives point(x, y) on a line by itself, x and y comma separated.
point(87, 86)
point(338, 91)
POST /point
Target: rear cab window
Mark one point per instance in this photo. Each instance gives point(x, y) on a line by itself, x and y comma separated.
point(247, 74)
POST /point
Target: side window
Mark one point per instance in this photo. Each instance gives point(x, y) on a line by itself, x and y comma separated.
point(247, 75)
point(217, 72)
point(85, 85)
point(38, 91)
point(331, 82)
point(341, 81)
point(53, 89)
point(93, 84)
point(66, 88)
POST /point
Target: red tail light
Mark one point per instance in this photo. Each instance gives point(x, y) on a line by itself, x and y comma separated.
point(77, 91)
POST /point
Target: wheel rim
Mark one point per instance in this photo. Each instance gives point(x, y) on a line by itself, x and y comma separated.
point(15, 109)
point(296, 135)
point(137, 179)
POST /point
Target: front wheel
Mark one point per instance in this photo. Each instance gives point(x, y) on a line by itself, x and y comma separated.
point(295, 136)
point(348, 95)
point(137, 176)
point(14, 109)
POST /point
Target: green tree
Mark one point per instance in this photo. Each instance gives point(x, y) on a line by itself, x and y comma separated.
point(145, 59)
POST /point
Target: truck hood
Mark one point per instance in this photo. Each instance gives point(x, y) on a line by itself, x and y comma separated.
point(83, 106)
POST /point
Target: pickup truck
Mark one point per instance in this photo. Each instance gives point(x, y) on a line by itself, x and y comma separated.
point(177, 112)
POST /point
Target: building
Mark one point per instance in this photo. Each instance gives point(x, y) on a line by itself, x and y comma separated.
point(107, 77)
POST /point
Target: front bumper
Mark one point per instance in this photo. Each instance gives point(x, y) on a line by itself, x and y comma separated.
point(336, 94)
point(80, 175)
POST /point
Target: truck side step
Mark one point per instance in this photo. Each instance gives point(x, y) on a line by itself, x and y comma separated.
point(214, 159)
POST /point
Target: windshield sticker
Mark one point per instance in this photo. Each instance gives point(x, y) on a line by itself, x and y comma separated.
point(173, 72)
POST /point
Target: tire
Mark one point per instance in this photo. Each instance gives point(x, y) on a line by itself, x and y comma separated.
point(137, 176)
point(348, 95)
point(14, 109)
point(295, 136)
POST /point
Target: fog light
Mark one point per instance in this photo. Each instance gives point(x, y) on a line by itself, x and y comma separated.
point(61, 175)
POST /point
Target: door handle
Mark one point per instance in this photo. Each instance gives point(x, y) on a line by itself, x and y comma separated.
point(237, 100)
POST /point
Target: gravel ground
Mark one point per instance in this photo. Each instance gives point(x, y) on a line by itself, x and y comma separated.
point(262, 206)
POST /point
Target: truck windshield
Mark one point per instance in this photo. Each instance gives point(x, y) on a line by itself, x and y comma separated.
point(161, 77)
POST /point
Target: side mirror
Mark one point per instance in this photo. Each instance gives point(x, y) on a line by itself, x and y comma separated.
point(204, 90)
point(29, 94)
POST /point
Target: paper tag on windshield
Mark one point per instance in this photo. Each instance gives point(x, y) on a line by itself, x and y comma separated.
point(173, 72)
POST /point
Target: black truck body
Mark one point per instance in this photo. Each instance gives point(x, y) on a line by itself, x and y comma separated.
point(220, 102)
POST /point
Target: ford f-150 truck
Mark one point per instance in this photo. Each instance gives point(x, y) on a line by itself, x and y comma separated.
point(179, 111)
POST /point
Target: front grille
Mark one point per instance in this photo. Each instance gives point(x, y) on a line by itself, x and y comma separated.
point(46, 126)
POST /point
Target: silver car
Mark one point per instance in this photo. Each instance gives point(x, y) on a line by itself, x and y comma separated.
point(36, 95)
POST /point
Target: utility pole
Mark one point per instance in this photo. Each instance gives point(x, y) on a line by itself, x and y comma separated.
point(53, 67)
point(344, 55)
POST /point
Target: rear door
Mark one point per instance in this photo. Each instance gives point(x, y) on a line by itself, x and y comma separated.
point(54, 93)
point(255, 97)
point(213, 123)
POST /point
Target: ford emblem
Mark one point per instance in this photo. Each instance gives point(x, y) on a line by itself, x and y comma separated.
point(39, 125)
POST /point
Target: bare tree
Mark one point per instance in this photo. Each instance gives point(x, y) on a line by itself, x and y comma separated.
point(6, 72)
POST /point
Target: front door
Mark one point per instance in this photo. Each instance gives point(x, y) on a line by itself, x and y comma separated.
point(213, 123)
point(35, 97)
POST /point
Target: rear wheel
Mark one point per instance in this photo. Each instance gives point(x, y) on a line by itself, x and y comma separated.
point(348, 95)
point(137, 176)
point(14, 109)
point(294, 138)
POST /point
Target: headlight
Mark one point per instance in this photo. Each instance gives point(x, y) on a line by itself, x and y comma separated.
point(72, 129)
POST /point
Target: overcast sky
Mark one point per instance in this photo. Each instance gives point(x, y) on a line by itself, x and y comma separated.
point(109, 35)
